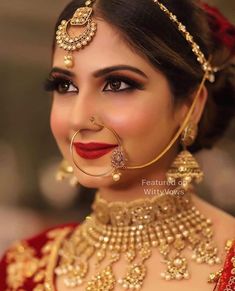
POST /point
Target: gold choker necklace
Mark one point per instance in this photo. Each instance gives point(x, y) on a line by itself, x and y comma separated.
point(169, 223)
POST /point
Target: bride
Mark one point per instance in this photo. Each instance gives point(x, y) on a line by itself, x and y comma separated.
point(138, 88)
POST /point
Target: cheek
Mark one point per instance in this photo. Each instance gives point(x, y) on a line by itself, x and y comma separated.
point(144, 127)
point(59, 121)
point(139, 119)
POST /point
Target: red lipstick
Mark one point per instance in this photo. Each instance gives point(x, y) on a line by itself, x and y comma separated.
point(92, 150)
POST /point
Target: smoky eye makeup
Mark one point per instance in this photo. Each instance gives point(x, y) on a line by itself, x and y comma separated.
point(110, 83)
point(119, 83)
point(60, 84)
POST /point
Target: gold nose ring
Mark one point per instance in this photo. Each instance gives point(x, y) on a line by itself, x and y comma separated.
point(118, 158)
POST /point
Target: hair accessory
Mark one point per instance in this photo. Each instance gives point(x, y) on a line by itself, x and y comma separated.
point(221, 28)
point(82, 18)
point(205, 64)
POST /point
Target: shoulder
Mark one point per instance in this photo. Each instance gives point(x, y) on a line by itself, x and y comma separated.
point(223, 223)
point(224, 234)
point(24, 263)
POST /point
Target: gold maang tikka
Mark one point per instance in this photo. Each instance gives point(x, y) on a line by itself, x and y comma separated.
point(81, 18)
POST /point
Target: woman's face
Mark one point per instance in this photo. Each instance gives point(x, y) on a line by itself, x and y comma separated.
point(123, 91)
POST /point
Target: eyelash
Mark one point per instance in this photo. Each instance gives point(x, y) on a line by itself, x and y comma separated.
point(133, 85)
point(52, 83)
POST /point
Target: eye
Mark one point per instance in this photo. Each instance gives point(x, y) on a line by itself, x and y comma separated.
point(65, 86)
point(121, 83)
point(116, 85)
point(60, 85)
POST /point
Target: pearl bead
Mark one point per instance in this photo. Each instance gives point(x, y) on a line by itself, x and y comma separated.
point(178, 276)
point(163, 274)
point(167, 277)
point(211, 262)
point(178, 262)
point(194, 256)
point(116, 177)
point(199, 260)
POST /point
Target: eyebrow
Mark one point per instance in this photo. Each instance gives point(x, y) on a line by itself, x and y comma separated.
point(105, 71)
point(62, 71)
point(102, 72)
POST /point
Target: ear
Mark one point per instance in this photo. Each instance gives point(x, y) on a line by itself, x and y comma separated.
point(200, 105)
point(198, 108)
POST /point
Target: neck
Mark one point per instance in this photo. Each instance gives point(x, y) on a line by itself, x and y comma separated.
point(146, 187)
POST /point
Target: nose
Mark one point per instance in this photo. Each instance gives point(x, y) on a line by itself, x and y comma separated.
point(82, 111)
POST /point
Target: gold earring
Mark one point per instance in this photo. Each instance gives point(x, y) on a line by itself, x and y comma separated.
point(185, 166)
point(65, 171)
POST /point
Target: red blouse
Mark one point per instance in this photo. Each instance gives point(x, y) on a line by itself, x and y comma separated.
point(29, 264)
point(227, 279)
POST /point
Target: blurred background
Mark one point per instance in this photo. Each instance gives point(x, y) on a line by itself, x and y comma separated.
point(30, 198)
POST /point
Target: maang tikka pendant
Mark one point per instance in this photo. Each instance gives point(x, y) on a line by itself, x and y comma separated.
point(82, 18)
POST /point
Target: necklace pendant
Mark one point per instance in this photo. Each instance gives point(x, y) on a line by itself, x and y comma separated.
point(206, 252)
point(169, 224)
point(104, 280)
point(74, 274)
point(134, 278)
point(176, 269)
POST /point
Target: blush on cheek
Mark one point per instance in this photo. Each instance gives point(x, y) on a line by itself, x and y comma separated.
point(58, 125)
point(134, 123)
point(128, 121)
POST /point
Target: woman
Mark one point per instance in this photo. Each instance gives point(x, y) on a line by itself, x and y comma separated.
point(138, 87)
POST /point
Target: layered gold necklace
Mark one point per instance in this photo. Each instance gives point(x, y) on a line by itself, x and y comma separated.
point(132, 230)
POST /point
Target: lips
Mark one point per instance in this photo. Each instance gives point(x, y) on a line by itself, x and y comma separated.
point(93, 150)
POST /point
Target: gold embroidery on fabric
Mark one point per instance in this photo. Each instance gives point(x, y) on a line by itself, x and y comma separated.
point(53, 254)
point(231, 281)
point(214, 277)
point(23, 263)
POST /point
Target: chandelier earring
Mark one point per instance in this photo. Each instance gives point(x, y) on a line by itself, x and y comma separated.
point(185, 168)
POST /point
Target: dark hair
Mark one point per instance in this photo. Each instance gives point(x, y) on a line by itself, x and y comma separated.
point(151, 33)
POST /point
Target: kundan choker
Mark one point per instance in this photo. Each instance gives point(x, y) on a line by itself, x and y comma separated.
point(169, 223)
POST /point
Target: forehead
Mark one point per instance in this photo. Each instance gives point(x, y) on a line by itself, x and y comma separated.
point(107, 48)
